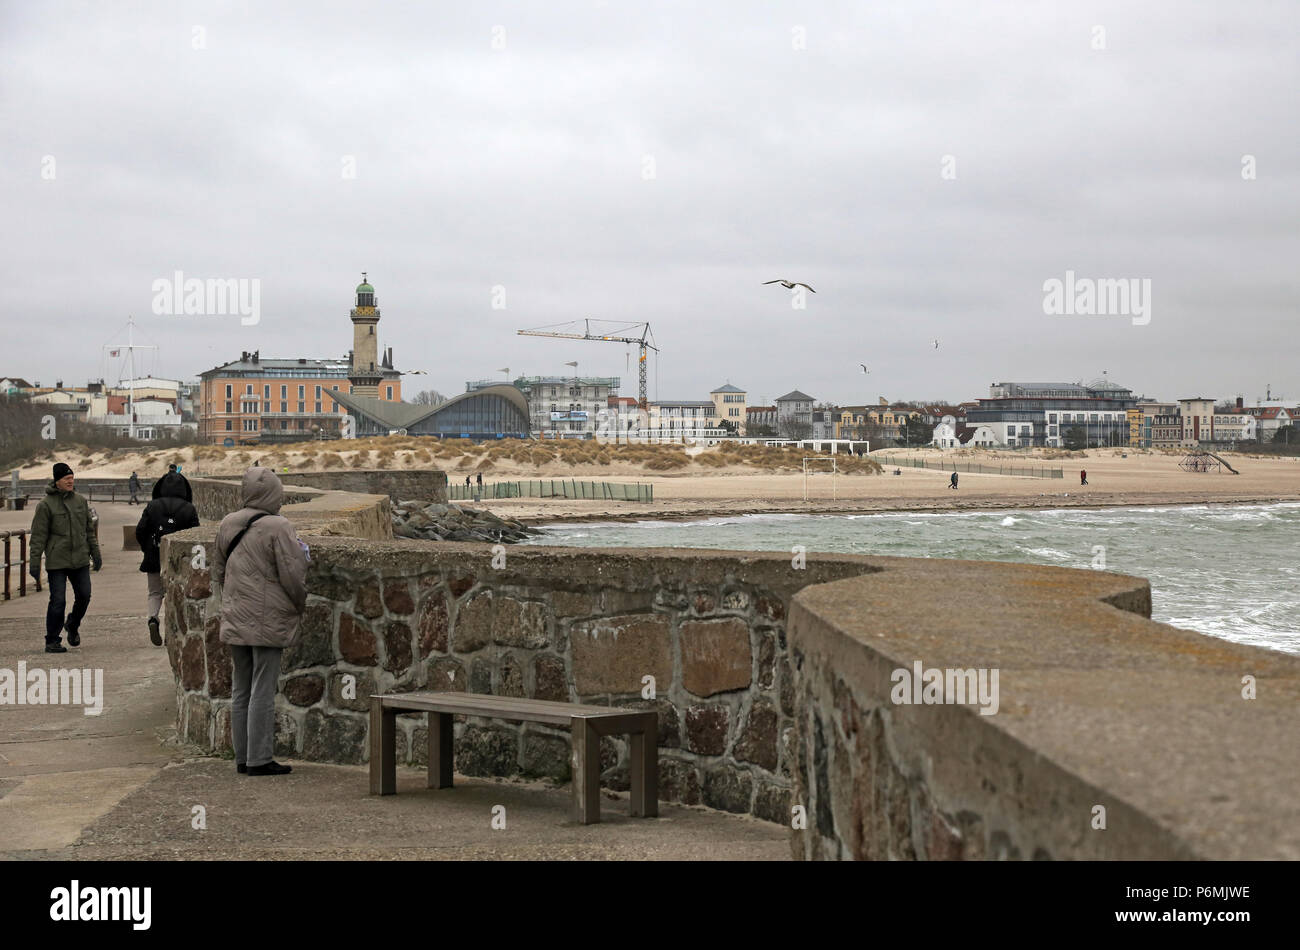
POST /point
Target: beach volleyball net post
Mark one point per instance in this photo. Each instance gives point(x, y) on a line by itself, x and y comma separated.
point(833, 470)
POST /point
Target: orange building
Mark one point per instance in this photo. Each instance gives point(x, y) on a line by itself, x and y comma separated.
point(253, 400)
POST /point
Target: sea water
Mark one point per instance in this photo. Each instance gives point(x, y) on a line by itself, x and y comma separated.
point(1231, 571)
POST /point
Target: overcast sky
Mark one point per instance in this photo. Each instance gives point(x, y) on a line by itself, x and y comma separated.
point(658, 161)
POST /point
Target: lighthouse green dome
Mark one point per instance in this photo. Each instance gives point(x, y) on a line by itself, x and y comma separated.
point(365, 288)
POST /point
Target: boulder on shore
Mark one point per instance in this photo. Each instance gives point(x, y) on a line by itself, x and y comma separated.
point(438, 522)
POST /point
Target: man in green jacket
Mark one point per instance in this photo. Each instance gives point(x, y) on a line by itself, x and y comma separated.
point(63, 532)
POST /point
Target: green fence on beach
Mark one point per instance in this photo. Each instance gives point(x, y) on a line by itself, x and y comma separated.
point(552, 488)
point(975, 467)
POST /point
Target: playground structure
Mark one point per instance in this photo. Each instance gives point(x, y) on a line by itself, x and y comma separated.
point(1201, 461)
point(834, 470)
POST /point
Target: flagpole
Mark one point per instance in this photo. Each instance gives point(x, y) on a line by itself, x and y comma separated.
point(130, 355)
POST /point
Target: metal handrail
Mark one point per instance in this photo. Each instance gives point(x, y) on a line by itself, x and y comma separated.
point(6, 536)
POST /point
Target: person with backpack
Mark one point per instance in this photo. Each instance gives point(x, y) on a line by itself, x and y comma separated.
point(953, 482)
point(63, 530)
point(167, 513)
point(171, 470)
point(261, 568)
point(1083, 477)
point(133, 484)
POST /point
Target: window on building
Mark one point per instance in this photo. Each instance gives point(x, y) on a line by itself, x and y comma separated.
point(228, 391)
point(284, 407)
point(302, 392)
point(389, 388)
point(318, 407)
point(249, 390)
point(266, 407)
point(228, 407)
point(266, 391)
point(302, 407)
point(228, 425)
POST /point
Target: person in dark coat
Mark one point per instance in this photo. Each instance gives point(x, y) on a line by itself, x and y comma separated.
point(64, 532)
point(1083, 476)
point(169, 511)
point(171, 470)
point(134, 485)
point(953, 482)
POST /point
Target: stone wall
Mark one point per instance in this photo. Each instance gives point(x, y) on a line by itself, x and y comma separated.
point(312, 511)
point(398, 485)
point(1099, 708)
point(773, 686)
point(552, 623)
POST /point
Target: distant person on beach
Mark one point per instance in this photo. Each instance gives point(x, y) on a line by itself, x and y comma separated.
point(133, 483)
point(1083, 476)
point(64, 532)
point(953, 483)
point(478, 479)
point(467, 482)
point(261, 567)
point(168, 512)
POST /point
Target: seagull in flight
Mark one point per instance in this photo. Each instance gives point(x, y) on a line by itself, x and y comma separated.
point(788, 284)
point(864, 367)
point(935, 344)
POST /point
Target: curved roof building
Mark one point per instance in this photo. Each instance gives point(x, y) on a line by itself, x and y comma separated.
point(493, 412)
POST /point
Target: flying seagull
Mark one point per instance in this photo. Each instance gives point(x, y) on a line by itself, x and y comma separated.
point(864, 367)
point(788, 284)
point(936, 344)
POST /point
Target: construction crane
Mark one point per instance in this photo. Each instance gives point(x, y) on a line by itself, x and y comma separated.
point(613, 336)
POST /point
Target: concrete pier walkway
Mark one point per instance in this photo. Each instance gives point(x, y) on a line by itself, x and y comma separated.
point(120, 786)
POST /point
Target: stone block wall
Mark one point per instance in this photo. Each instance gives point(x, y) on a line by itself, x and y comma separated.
point(1114, 738)
point(774, 688)
point(416, 484)
point(586, 627)
point(310, 509)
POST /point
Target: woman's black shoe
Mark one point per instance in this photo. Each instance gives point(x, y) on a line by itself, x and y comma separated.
point(55, 648)
point(271, 768)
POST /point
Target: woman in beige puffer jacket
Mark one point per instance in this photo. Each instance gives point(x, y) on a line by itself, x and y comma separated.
point(263, 595)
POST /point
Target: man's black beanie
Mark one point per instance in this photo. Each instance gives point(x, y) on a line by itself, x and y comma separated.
point(61, 470)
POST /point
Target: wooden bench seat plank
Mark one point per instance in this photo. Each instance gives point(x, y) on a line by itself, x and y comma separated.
point(498, 706)
point(586, 725)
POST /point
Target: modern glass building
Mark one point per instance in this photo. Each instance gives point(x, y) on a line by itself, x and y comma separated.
point(494, 412)
point(1040, 414)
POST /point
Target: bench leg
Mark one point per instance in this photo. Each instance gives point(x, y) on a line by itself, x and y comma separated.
point(383, 749)
point(440, 749)
point(586, 772)
point(644, 775)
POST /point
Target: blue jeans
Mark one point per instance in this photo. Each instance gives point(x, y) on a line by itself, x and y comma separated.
point(80, 579)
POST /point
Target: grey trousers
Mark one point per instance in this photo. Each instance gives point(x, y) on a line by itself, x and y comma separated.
point(252, 706)
point(155, 593)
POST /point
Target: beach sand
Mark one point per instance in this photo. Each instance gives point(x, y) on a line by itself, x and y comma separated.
point(1136, 480)
point(1141, 478)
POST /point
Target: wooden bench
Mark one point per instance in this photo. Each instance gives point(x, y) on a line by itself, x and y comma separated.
point(588, 724)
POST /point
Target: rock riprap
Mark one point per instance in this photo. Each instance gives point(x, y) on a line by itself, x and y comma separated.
point(430, 521)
